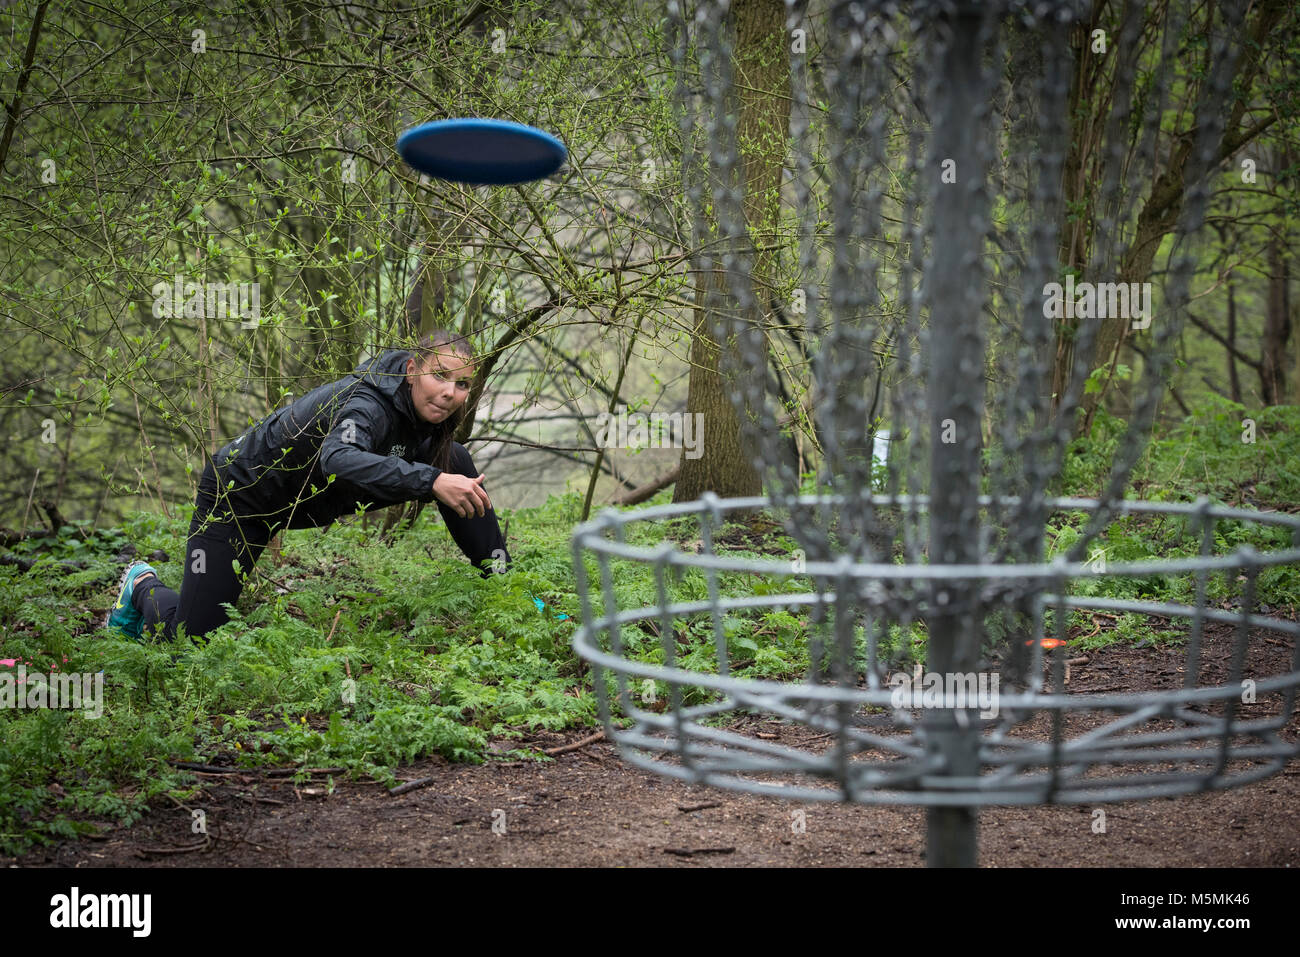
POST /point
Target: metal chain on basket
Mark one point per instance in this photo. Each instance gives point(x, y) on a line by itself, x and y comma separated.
point(936, 272)
point(862, 54)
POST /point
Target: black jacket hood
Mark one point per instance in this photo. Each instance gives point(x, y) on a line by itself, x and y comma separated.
point(387, 373)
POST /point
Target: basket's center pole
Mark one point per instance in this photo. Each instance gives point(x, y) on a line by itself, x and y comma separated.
point(956, 404)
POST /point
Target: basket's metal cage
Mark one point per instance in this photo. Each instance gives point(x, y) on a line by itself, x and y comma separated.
point(953, 537)
point(1097, 748)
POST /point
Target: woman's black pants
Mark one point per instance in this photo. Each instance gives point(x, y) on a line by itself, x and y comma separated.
point(223, 547)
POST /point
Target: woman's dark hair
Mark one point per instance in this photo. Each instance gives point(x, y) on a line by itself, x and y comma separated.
point(443, 340)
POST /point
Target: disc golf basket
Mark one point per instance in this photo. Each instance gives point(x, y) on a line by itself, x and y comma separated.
point(931, 217)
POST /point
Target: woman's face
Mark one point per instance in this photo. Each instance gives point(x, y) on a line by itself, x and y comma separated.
point(441, 387)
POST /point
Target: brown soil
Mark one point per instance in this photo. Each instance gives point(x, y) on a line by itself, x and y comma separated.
point(588, 807)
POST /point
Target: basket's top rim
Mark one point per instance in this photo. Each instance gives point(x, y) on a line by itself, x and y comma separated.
point(591, 536)
point(710, 501)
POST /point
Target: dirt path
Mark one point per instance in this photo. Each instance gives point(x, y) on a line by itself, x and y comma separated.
point(590, 808)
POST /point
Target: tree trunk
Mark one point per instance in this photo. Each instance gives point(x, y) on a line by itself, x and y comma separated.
point(762, 74)
point(1158, 217)
point(1277, 330)
point(1233, 381)
point(723, 465)
point(1160, 212)
point(1075, 180)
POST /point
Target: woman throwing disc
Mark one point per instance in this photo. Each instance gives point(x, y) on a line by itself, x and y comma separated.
point(380, 436)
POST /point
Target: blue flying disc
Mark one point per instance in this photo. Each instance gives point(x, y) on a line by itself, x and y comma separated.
point(481, 151)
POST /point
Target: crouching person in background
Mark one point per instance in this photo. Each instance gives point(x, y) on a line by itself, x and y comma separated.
point(378, 437)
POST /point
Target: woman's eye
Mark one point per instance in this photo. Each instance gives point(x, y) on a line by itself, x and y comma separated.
point(460, 383)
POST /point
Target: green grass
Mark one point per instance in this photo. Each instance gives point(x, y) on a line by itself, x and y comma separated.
point(357, 654)
point(1206, 454)
point(442, 660)
point(351, 653)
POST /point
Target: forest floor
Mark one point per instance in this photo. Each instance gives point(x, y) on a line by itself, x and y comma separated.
point(251, 735)
point(587, 807)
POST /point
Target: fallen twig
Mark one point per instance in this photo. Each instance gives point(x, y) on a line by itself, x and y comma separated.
point(638, 495)
point(818, 737)
point(692, 851)
point(285, 772)
point(410, 786)
point(258, 800)
point(590, 739)
point(690, 808)
point(206, 842)
point(332, 627)
point(205, 768)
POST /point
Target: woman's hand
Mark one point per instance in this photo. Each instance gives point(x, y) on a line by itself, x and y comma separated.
point(463, 495)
